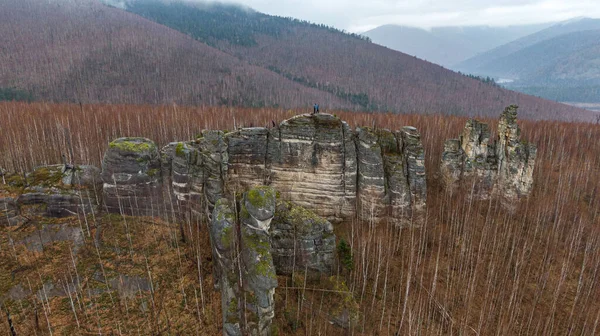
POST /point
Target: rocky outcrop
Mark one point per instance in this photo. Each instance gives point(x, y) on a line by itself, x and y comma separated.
point(301, 241)
point(516, 158)
point(131, 172)
point(266, 238)
point(315, 161)
point(51, 191)
point(391, 181)
point(247, 153)
point(9, 212)
point(257, 210)
point(311, 161)
point(224, 241)
point(504, 166)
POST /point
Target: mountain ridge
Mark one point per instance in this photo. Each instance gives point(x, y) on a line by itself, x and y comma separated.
point(105, 54)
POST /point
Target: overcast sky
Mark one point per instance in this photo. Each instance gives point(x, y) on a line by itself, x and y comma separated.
point(362, 15)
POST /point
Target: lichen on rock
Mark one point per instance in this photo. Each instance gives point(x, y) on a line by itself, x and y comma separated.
point(131, 185)
point(301, 241)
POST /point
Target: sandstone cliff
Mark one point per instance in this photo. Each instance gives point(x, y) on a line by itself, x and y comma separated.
point(315, 161)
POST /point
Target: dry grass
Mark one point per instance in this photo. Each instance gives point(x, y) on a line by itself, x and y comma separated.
point(474, 269)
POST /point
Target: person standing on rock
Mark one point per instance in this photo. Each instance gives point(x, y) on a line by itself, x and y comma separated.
point(316, 108)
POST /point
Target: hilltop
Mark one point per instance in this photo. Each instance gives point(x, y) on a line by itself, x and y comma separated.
point(84, 51)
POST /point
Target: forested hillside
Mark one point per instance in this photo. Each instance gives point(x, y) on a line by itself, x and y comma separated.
point(374, 77)
point(558, 63)
point(482, 61)
point(84, 51)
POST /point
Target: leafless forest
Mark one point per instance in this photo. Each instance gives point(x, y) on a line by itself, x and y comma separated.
point(473, 269)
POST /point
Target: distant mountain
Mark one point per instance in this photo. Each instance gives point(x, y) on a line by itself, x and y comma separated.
point(560, 63)
point(173, 52)
point(448, 46)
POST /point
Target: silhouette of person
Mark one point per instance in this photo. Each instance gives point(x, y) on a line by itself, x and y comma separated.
point(315, 108)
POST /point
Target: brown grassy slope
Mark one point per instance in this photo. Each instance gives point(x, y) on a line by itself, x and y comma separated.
point(392, 79)
point(473, 269)
point(80, 50)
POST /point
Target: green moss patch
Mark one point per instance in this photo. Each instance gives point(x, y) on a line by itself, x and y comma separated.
point(133, 145)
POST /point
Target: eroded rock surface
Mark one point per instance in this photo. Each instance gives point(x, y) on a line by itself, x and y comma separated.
point(301, 241)
point(504, 166)
point(224, 241)
point(309, 161)
point(258, 272)
point(315, 161)
point(9, 212)
point(131, 172)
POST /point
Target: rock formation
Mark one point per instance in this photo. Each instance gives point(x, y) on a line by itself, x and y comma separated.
point(51, 191)
point(257, 210)
point(131, 172)
point(315, 161)
point(266, 238)
point(312, 162)
point(504, 166)
point(301, 241)
point(224, 241)
point(9, 212)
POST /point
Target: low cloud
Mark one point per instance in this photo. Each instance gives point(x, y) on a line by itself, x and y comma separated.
point(359, 16)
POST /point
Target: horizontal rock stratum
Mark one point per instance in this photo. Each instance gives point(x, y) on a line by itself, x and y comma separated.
point(315, 161)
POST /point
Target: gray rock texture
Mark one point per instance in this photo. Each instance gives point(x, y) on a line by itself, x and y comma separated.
point(9, 212)
point(301, 241)
point(307, 164)
point(516, 158)
point(224, 242)
point(131, 172)
point(53, 191)
point(268, 237)
point(504, 166)
point(247, 149)
point(257, 210)
point(315, 161)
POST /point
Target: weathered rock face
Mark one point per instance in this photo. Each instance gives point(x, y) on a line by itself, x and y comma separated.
point(131, 172)
point(516, 159)
point(215, 159)
point(224, 240)
point(247, 150)
point(257, 210)
point(301, 241)
point(268, 237)
point(391, 181)
point(52, 191)
point(315, 161)
point(504, 166)
point(9, 212)
point(311, 161)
